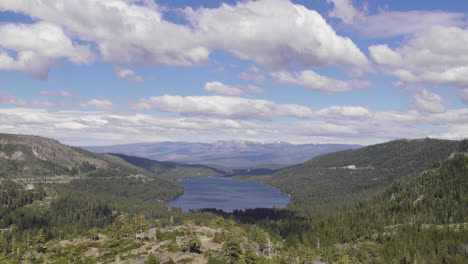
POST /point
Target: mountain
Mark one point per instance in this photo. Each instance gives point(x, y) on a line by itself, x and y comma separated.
point(333, 181)
point(172, 170)
point(38, 160)
point(386, 203)
point(422, 219)
point(231, 154)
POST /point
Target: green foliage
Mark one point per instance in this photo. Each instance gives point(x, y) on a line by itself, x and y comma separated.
point(463, 146)
point(185, 260)
point(195, 244)
point(170, 261)
point(13, 196)
point(412, 220)
point(212, 260)
point(152, 259)
point(40, 241)
point(250, 257)
point(145, 190)
point(321, 187)
point(232, 247)
point(382, 216)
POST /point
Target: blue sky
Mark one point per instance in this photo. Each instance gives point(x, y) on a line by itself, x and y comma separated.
point(118, 71)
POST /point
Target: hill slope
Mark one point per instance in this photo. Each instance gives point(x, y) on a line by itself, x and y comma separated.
point(172, 170)
point(227, 153)
point(330, 182)
point(418, 220)
point(34, 159)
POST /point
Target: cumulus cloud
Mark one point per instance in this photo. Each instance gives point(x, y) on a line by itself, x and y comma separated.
point(356, 124)
point(252, 74)
point(344, 10)
point(223, 107)
point(275, 34)
point(227, 90)
point(128, 75)
point(463, 93)
point(7, 99)
point(428, 57)
point(220, 88)
point(98, 103)
point(426, 101)
point(344, 112)
point(254, 89)
point(391, 24)
point(124, 32)
point(313, 81)
point(38, 47)
point(60, 94)
point(93, 127)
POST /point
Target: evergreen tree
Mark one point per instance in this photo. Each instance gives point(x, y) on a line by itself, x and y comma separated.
point(152, 259)
point(40, 241)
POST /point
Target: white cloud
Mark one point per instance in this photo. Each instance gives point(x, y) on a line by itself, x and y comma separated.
point(311, 80)
point(98, 103)
point(357, 124)
point(254, 89)
point(220, 88)
point(98, 128)
point(128, 75)
point(428, 57)
point(223, 107)
point(38, 47)
point(124, 31)
point(463, 93)
point(426, 101)
point(60, 94)
point(344, 10)
point(275, 34)
point(391, 24)
point(344, 112)
point(227, 90)
point(252, 74)
point(7, 99)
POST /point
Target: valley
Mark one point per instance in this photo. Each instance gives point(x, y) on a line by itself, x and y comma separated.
point(400, 201)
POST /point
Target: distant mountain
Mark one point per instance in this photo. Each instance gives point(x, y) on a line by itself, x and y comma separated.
point(172, 170)
point(231, 154)
point(330, 182)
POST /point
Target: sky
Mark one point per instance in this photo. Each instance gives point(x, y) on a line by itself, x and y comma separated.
point(104, 72)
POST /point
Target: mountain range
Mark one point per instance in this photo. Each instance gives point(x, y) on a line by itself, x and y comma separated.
point(402, 201)
point(233, 154)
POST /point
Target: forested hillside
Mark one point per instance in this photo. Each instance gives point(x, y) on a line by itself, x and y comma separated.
point(96, 217)
point(172, 170)
point(420, 219)
point(331, 182)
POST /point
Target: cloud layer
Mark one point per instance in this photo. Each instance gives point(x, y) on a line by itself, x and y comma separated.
point(223, 107)
point(313, 81)
point(273, 33)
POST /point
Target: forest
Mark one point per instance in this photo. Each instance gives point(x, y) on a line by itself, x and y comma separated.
point(419, 217)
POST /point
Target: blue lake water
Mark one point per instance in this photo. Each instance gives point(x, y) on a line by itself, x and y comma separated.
point(227, 194)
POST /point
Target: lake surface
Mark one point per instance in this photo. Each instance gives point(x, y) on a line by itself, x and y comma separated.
point(227, 194)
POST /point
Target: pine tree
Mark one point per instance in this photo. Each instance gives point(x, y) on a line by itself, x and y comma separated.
point(40, 241)
point(152, 259)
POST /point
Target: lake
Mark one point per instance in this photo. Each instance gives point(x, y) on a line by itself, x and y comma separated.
point(227, 194)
